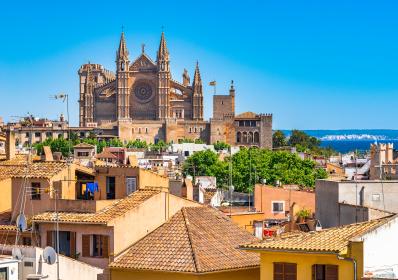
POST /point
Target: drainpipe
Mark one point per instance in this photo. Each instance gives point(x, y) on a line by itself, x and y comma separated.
point(354, 262)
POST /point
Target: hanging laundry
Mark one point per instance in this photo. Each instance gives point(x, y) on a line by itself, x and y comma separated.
point(92, 187)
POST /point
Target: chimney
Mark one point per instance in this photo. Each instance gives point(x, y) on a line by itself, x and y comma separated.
point(10, 144)
point(48, 155)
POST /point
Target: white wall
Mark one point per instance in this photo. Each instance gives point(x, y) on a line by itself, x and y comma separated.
point(12, 266)
point(381, 247)
point(69, 268)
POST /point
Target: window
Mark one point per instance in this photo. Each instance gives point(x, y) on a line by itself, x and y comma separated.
point(82, 154)
point(131, 185)
point(49, 134)
point(95, 245)
point(285, 271)
point(376, 197)
point(238, 137)
point(27, 241)
point(27, 134)
point(256, 137)
point(67, 242)
point(110, 188)
point(35, 191)
point(146, 130)
point(278, 206)
point(37, 134)
point(3, 273)
point(60, 135)
point(325, 272)
point(82, 134)
point(241, 123)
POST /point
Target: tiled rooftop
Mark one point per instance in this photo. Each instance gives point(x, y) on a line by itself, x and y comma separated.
point(333, 240)
point(194, 240)
point(103, 216)
point(18, 167)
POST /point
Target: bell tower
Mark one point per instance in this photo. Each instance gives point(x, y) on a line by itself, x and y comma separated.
point(163, 64)
point(122, 77)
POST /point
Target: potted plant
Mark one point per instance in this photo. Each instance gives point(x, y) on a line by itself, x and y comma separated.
point(303, 214)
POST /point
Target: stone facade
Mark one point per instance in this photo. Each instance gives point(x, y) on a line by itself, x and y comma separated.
point(142, 101)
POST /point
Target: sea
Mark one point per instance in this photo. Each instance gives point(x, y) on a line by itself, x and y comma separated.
point(347, 140)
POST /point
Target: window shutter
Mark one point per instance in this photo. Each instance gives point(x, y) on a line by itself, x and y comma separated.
point(105, 246)
point(73, 244)
point(86, 245)
point(278, 271)
point(50, 238)
point(332, 272)
point(290, 271)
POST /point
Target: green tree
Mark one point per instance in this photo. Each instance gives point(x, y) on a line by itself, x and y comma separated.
point(56, 145)
point(115, 142)
point(251, 166)
point(206, 163)
point(137, 144)
point(278, 139)
point(218, 146)
point(301, 138)
point(160, 146)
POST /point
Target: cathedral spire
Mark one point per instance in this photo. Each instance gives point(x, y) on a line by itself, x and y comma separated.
point(197, 79)
point(197, 97)
point(122, 52)
point(163, 52)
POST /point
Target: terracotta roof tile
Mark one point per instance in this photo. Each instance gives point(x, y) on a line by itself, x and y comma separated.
point(103, 216)
point(83, 145)
point(333, 240)
point(18, 168)
point(194, 240)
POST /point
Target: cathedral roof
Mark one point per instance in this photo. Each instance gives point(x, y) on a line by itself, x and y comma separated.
point(143, 62)
point(246, 115)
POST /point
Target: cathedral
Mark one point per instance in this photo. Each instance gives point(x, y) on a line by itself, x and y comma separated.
point(142, 101)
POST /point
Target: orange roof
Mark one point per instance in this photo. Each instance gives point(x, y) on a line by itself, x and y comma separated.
point(246, 115)
point(18, 168)
point(335, 240)
point(105, 215)
point(83, 145)
point(106, 154)
point(194, 240)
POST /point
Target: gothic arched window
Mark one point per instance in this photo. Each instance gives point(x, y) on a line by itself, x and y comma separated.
point(256, 137)
point(122, 66)
point(250, 137)
point(244, 137)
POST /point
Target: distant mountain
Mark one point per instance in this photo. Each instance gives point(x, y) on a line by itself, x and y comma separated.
point(352, 134)
point(346, 140)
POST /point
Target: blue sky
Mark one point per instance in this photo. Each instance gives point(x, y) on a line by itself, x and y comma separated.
point(313, 64)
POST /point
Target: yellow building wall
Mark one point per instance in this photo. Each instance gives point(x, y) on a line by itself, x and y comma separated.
point(148, 178)
point(245, 220)
point(244, 274)
point(6, 196)
point(145, 178)
point(305, 261)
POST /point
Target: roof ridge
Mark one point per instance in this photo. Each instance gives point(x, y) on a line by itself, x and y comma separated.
point(186, 222)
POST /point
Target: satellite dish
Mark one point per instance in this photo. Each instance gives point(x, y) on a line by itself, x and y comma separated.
point(49, 255)
point(21, 222)
point(16, 253)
